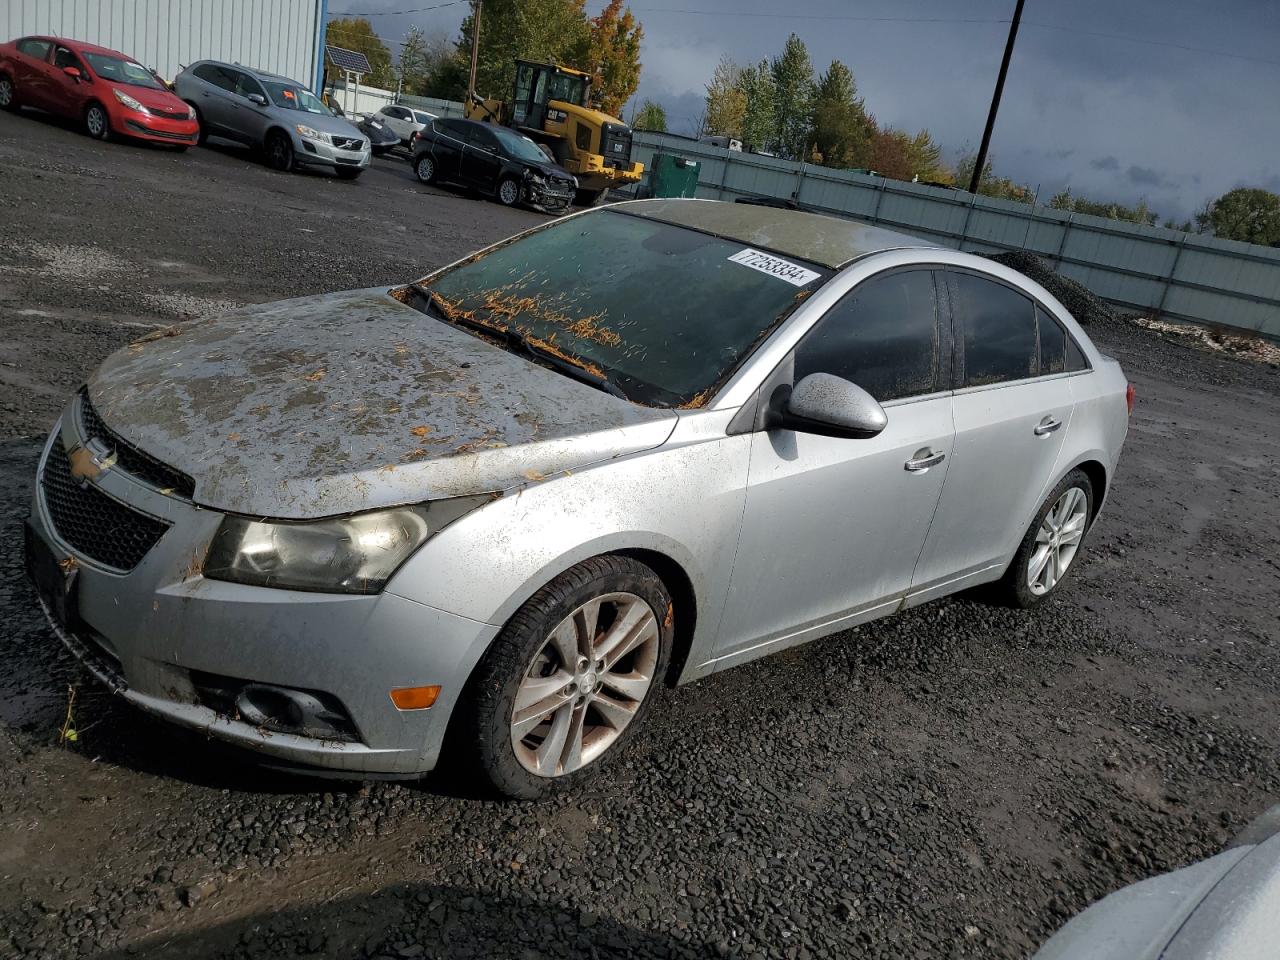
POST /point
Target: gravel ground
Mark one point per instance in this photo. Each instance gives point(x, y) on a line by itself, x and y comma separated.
point(952, 782)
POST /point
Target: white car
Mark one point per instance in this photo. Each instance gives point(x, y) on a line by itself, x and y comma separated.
point(404, 120)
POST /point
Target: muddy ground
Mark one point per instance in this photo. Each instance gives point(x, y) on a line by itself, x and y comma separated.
point(953, 782)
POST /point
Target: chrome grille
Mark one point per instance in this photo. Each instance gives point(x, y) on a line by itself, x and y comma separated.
point(129, 458)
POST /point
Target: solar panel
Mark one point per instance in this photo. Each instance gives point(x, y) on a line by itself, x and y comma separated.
point(351, 60)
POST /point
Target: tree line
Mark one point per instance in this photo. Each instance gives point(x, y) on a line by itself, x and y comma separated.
point(552, 31)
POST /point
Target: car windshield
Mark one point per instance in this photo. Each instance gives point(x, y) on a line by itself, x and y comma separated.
point(292, 97)
point(664, 313)
point(122, 71)
point(519, 146)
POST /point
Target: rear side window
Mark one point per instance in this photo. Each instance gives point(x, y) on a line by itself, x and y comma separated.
point(883, 336)
point(453, 128)
point(210, 73)
point(999, 331)
point(35, 48)
point(1059, 352)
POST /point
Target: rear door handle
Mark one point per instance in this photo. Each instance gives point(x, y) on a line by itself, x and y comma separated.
point(923, 460)
point(1047, 426)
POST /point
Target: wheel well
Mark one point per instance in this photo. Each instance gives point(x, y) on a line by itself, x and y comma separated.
point(1097, 475)
point(683, 600)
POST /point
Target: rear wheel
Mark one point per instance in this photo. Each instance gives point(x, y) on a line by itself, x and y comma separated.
point(279, 151)
point(96, 123)
point(570, 678)
point(8, 96)
point(1050, 545)
point(425, 168)
point(508, 192)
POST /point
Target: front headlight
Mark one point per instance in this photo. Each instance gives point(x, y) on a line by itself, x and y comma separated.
point(355, 554)
point(191, 112)
point(129, 102)
point(312, 134)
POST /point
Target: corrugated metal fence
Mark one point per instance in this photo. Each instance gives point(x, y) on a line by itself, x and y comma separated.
point(1149, 269)
point(276, 35)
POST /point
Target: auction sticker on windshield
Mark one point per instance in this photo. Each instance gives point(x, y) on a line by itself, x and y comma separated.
point(793, 273)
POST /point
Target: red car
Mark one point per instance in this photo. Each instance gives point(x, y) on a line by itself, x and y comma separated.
point(102, 89)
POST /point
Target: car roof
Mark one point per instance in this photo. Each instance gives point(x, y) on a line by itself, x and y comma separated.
point(78, 45)
point(828, 241)
point(254, 72)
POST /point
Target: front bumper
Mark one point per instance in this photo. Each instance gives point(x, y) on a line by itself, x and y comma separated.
point(319, 153)
point(154, 632)
point(553, 195)
point(157, 129)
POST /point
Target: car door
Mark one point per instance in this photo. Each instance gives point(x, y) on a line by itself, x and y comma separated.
point(65, 95)
point(32, 71)
point(251, 119)
point(833, 527)
point(483, 158)
point(1011, 417)
point(448, 141)
point(216, 86)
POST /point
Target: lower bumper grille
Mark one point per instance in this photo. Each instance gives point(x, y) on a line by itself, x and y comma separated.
point(164, 134)
point(92, 523)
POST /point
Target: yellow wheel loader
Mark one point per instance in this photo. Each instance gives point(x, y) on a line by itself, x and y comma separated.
point(549, 105)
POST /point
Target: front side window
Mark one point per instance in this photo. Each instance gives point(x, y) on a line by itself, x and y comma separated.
point(662, 312)
point(999, 331)
point(32, 47)
point(122, 71)
point(63, 57)
point(883, 336)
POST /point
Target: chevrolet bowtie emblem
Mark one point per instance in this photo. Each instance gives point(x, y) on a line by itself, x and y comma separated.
point(90, 461)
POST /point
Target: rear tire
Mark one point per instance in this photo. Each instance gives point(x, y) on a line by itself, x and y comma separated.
point(96, 123)
point(1050, 546)
point(556, 641)
point(8, 93)
point(425, 168)
point(279, 150)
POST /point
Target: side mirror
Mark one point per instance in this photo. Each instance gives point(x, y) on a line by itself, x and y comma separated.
point(73, 73)
point(258, 98)
point(828, 406)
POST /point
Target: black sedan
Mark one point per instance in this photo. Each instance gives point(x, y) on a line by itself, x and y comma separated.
point(500, 162)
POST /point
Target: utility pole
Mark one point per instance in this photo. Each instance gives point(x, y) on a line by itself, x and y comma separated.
point(995, 100)
point(476, 6)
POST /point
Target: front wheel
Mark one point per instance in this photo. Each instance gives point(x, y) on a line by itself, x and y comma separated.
point(8, 97)
point(1050, 545)
point(425, 168)
point(279, 151)
point(96, 123)
point(508, 192)
point(569, 679)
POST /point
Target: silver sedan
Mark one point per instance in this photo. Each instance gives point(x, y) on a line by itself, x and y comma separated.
point(506, 502)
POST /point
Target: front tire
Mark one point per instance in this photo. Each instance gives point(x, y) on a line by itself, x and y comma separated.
point(8, 94)
point(96, 123)
point(1051, 544)
point(570, 678)
point(508, 192)
point(279, 151)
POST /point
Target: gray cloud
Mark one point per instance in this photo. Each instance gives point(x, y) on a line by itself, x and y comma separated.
point(1105, 163)
point(1145, 176)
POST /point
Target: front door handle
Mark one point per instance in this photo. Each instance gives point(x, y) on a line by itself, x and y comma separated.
point(1047, 426)
point(923, 460)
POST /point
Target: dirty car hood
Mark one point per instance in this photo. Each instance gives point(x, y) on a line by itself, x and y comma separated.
point(354, 401)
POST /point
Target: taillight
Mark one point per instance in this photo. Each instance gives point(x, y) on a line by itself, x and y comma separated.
point(1130, 395)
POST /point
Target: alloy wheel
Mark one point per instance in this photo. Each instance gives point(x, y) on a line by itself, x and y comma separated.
point(585, 684)
point(1057, 541)
point(426, 169)
point(279, 152)
point(6, 92)
point(95, 121)
point(508, 192)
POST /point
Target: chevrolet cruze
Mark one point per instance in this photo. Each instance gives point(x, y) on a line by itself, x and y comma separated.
point(494, 509)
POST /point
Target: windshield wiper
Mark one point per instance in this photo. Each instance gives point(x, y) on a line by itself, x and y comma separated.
point(526, 345)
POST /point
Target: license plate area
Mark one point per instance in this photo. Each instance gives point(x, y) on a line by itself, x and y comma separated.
point(54, 580)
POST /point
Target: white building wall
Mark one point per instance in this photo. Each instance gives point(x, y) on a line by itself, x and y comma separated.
point(280, 36)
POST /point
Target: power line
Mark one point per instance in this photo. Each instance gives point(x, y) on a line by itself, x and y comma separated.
point(1153, 43)
point(393, 13)
point(821, 16)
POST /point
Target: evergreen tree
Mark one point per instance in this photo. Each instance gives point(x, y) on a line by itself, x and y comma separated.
point(793, 98)
point(842, 130)
point(758, 100)
point(726, 101)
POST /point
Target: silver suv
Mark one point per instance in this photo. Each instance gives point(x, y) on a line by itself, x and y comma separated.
point(274, 114)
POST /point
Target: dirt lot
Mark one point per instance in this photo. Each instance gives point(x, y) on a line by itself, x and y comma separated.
point(953, 782)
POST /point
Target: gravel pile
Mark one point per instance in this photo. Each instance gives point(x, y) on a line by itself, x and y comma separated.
point(1076, 297)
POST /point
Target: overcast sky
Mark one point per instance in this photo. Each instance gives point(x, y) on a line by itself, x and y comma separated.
point(1113, 118)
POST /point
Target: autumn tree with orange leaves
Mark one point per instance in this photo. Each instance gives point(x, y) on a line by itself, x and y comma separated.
point(613, 57)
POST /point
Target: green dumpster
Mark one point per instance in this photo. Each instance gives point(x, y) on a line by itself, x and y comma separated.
point(672, 176)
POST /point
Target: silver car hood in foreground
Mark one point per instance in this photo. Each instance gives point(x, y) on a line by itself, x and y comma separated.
point(353, 401)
